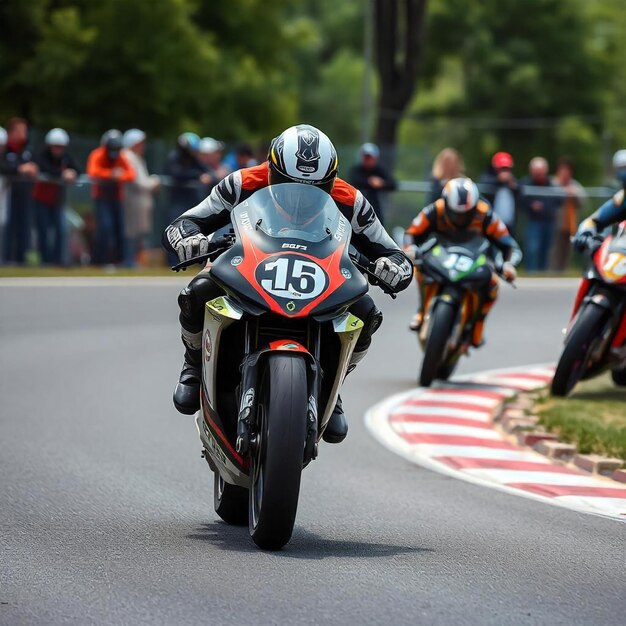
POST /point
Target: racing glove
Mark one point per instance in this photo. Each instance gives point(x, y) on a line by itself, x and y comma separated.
point(509, 272)
point(186, 240)
point(586, 231)
point(394, 272)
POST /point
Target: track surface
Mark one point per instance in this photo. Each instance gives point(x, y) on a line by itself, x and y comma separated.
point(106, 509)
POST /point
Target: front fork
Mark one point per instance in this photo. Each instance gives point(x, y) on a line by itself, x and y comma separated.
point(348, 328)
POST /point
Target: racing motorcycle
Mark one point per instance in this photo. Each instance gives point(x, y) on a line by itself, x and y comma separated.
point(276, 349)
point(595, 339)
point(456, 277)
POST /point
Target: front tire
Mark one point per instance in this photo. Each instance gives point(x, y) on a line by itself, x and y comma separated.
point(276, 464)
point(579, 345)
point(230, 501)
point(438, 336)
point(619, 377)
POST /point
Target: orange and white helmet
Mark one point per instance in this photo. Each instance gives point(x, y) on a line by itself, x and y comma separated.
point(461, 197)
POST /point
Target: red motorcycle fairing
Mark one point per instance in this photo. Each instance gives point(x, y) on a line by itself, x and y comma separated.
point(273, 275)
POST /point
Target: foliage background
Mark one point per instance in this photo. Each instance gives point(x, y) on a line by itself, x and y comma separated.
point(533, 76)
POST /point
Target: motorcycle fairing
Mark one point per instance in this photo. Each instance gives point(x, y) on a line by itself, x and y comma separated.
point(324, 266)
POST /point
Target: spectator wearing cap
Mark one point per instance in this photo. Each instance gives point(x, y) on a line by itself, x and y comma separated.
point(189, 176)
point(211, 152)
point(57, 169)
point(242, 156)
point(138, 200)
point(573, 199)
point(109, 170)
point(371, 178)
point(502, 189)
point(447, 165)
point(4, 195)
point(540, 208)
point(18, 166)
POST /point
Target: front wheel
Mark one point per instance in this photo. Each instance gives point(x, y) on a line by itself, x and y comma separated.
point(619, 377)
point(578, 347)
point(276, 463)
point(439, 333)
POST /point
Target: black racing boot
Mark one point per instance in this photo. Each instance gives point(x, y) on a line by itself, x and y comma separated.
point(337, 427)
point(187, 392)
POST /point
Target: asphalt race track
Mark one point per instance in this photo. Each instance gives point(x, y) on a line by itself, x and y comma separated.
point(106, 509)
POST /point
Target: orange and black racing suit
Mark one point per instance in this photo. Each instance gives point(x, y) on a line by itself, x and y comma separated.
point(485, 223)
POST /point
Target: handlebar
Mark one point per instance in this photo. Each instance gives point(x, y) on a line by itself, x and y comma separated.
point(216, 247)
point(365, 265)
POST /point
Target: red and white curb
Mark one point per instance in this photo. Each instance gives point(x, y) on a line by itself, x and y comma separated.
point(449, 429)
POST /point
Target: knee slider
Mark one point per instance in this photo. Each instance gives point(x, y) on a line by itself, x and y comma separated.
point(186, 301)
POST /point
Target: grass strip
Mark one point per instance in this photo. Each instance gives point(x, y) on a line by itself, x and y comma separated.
point(593, 417)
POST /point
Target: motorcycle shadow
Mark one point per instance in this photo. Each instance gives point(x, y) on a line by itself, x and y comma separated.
point(303, 545)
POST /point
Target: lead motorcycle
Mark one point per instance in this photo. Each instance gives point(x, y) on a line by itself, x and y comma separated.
point(595, 339)
point(276, 349)
point(456, 276)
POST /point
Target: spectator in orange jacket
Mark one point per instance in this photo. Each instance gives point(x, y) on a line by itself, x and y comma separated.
point(110, 170)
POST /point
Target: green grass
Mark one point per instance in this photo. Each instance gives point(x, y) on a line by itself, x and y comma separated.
point(593, 417)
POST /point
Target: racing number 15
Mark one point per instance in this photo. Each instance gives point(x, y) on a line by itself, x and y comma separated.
point(288, 277)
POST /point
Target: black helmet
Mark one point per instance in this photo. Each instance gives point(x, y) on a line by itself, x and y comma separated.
point(112, 141)
point(303, 154)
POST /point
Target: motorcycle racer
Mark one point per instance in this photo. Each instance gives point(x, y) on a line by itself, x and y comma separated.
point(301, 154)
point(460, 211)
point(611, 212)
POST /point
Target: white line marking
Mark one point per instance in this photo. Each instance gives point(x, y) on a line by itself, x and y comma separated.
point(507, 476)
point(445, 429)
point(438, 410)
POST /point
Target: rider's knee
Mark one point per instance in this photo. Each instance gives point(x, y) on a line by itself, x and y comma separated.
point(372, 318)
point(192, 299)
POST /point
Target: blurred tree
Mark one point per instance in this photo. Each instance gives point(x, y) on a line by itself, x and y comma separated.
point(519, 69)
point(399, 27)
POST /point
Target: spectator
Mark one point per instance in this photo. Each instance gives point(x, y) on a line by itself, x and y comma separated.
point(138, 199)
point(242, 156)
point(211, 156)
point(189, 175)
point(58, 169)
point(503, 188)
point(371, 178)
point(4, 200)
point(446, 166)
point(540, 211)
point(17, 163)
point(110, 170)
point(566, 214)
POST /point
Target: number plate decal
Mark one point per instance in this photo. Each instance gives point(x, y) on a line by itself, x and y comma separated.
point(291, 277)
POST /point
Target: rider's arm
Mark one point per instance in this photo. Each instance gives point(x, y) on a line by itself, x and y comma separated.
point(498, 234)
point(370, 238)
point(210, 215)
point(612, 211)
point(423, 225)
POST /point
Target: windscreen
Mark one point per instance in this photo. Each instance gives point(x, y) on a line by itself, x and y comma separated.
point(292, 210)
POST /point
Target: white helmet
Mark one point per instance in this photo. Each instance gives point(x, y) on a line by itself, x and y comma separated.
point(461, 196)
point(619, 159)
point(132, 137)
point(303, 154)
point(3, 137)
point(208, 145)
point(57, 137)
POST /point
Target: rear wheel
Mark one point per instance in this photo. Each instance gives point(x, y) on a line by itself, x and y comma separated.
point(230, 501)
point(438, 336)
point(582, 340)
point(276, 463)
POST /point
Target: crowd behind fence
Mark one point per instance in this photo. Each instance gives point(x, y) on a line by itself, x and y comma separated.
point(103, 217)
